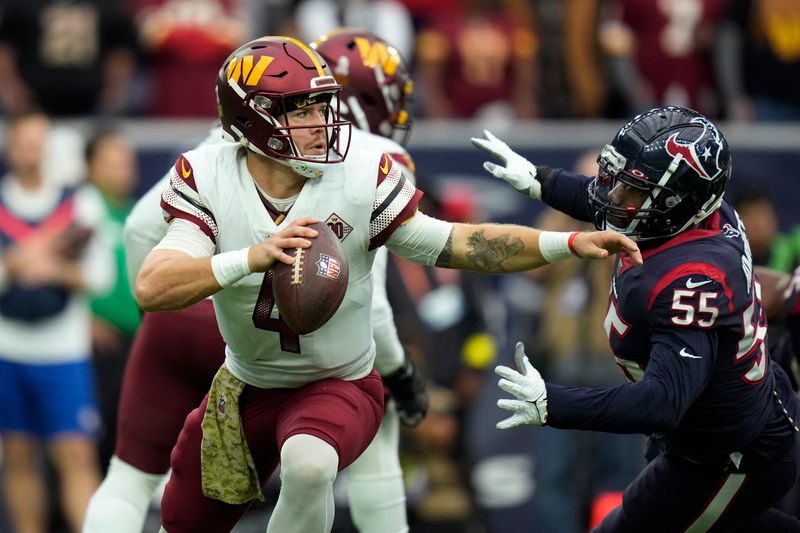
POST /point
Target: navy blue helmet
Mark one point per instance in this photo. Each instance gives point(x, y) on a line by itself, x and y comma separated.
point(678, 158)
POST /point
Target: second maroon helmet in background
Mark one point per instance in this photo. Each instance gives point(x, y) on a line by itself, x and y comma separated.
point(375, 80)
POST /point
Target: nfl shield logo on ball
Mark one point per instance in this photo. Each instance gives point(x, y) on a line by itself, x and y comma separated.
point(329, 267)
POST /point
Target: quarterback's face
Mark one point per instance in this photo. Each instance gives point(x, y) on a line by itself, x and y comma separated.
point(308, 130)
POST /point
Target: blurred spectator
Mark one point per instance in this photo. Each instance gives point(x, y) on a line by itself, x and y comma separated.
point(388, 19)
point(111, 164)
point(769, 247)
point(758, 60)
point(67, 57)
point(423, 12)
point(661, 52)
point(573, 71)
point(480, 60)
point(186, 41)
point(51, 255)
point(582, 62)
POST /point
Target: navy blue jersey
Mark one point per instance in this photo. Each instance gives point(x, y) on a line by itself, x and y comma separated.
point(689, 331)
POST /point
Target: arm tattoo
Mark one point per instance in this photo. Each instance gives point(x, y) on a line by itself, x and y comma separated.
point(488, 255)
point(446, 254)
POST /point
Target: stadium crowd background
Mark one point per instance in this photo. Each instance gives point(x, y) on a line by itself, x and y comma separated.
point(546, 75)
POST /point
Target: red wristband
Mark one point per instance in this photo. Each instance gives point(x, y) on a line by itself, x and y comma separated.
point(570, 243)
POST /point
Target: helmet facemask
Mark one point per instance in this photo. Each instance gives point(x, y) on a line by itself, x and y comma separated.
point(280, 144)
point(660, 208)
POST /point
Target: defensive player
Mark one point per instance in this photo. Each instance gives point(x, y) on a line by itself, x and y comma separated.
point(687, 328)
point(311, 402)
point(375, 91)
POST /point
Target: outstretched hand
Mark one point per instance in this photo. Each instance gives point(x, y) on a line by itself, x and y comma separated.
point(515, 169)
point(528, 387)
point(598, 244)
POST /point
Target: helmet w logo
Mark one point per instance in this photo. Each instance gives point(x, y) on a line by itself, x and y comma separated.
point(378, 53)
point(703, 153)
point(242, 68)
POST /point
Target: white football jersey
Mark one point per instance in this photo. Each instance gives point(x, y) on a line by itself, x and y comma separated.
point(145, 225)
point(364, 200)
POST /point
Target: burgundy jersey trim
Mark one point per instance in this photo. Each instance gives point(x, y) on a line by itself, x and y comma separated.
point(184, 170)
point(276, 215)
point(688, 269)
point(174, 213)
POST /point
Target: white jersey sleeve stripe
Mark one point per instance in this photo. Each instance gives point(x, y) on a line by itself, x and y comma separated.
point(179, 201)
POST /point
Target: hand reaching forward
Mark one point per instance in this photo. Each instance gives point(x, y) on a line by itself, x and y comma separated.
point(598, 244)
point(515, 169)
point(530, 406)
point(263, 255)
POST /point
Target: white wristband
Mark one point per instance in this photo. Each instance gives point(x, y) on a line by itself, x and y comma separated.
point(556, 245)
point(230, 267)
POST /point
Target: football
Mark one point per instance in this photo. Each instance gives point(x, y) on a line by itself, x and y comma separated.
point(309, 291)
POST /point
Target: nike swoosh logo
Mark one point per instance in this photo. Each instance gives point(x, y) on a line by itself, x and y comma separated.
point(385, 168)
point(684, 353)
point(184, 172)
point(694, 284)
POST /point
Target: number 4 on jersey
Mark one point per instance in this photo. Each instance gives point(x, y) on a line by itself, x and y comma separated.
point(262, 317)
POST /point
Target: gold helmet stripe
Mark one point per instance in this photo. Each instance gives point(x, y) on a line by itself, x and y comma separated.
point(312, 55)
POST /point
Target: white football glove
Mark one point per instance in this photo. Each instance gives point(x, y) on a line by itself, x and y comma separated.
point(527, 385)
point(515, 170)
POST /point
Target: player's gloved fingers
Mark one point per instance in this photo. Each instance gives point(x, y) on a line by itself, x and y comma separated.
point(493, 146)
point(496, 142)
point(495, 170)
point(510, 422)
point(523, 364)
point(516, 389)
point(512, 405)
point(508, 373)
point(482, 144)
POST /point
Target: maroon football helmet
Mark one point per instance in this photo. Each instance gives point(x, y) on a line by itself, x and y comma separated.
point(376, 85)
point(265, 79)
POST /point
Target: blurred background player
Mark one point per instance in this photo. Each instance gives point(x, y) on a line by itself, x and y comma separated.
point(687, 328)
point(52, 255)
point(112, 170)
point(376, 89)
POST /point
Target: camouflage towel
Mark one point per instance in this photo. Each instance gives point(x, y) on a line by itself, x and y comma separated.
point(228, 471)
